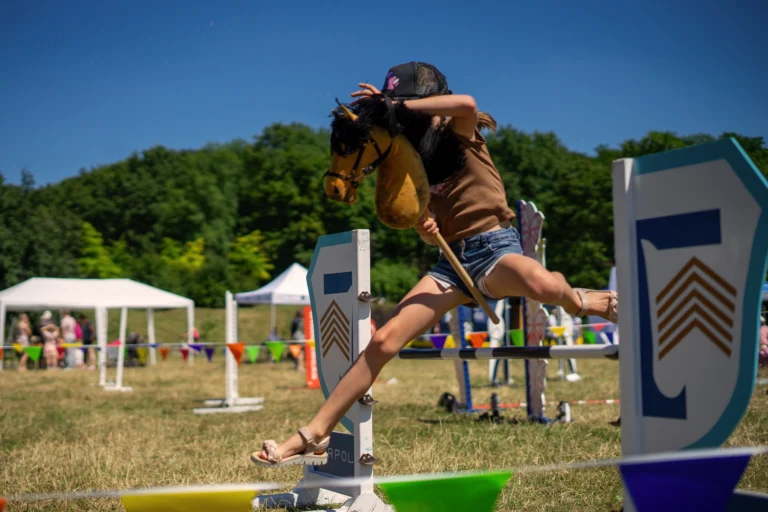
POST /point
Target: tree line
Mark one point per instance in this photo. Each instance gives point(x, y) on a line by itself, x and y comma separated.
point(232, 216)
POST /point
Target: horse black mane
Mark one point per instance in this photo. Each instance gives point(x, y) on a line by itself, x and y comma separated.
point(440, 149)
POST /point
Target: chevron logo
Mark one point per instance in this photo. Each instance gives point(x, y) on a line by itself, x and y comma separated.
point(711, 312)
point(334, 330)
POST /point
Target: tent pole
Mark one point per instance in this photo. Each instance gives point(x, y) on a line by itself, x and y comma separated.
point(2, 334)
point(121, 348)
point(190, 332)
point(151, 336)
point(101, 342)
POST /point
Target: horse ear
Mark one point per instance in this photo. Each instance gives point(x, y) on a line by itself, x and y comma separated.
point(348, 113)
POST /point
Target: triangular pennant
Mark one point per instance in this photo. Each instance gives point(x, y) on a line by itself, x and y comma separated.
point(477, 492)
point(18, 348)
point(34, 352)
point(209, 353)
point(141, 353)
point(184, 353)
point(295, 350)
point(189, 501)
point(71, 345)
point(276, 349)
point(517, 337)
point(438, 341)
point(237, 350)
point(113, 343)
point(1, 355)
point(84, 348)
point(557, 330)
point(685, 481)
point(154, 345)
point(253, 353)
point(197, 347)
point(164, 352)
point(589, 337)
point(476, 339)
point(60, 350)
point(598, 327)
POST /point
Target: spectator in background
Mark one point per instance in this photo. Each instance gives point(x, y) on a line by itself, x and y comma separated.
point(22, 336)
point(50, 333)
point(69, 334)
point(297, 324)
point(87, 337)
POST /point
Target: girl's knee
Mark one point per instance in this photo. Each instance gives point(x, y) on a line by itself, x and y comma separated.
point(383, 344)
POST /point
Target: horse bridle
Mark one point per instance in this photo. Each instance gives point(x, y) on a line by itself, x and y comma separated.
point(353, 177)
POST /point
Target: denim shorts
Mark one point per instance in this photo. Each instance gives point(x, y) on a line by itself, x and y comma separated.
point(479, 255)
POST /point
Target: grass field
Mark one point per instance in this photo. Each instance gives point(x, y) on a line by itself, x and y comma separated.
point(60, 432)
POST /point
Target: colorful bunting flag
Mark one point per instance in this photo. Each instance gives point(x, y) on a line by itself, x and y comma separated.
point(164, 352)
point(253, 353)
point(295, 350)
point(557, 330)
point(141, 352)
point(685, 481)
point(1, 354)
point(598, 327)
point(184, 353)
point(209, 353)
point(237, 350)
point(221, 501)
point(477, 339)
point(71, 345)
point(61, 350)
point(34, 352)
point(589, 337)
point(154, 345)
point(276, 349)
point(113, 343)
point(438, 341)
point(517, 337)
point(477, 492)
point(197, 347)
point(18, 348)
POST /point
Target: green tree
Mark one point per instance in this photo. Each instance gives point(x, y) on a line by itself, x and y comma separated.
point(94, 260)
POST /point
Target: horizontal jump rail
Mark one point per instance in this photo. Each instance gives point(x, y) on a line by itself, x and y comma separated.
point(554, 352)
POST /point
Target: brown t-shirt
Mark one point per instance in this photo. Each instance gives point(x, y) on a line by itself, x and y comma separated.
point(474, 200)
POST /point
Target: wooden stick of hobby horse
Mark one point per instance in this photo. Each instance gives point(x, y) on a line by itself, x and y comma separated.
point(465, 278)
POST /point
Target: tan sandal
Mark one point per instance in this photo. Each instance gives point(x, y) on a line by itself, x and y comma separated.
point(612, 315)
point(314, 454)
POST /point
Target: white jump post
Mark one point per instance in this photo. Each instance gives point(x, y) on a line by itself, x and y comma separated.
point(339, 288)
point(151, 336)
point(232, 403)
point(690, 236)
point(118, 386)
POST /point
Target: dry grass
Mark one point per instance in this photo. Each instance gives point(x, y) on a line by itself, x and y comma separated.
point(60, 432)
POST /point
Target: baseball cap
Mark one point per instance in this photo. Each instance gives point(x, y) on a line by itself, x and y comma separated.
point(414, 80)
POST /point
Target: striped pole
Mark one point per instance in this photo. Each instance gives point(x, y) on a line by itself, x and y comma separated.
point(545, 352)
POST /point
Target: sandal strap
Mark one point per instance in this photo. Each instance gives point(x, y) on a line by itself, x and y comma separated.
point(584, 302)
point(312, 445)
point(273, 454)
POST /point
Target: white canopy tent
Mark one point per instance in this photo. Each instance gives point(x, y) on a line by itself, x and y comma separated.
point(99, 294)
point(289, 288)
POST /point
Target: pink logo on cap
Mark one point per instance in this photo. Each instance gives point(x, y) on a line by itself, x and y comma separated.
point(392, 81)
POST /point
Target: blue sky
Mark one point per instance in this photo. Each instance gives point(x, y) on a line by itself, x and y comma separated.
point(85, 83)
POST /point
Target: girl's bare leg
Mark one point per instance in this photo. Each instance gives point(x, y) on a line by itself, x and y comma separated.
point(419, 310)
point(516, 275)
